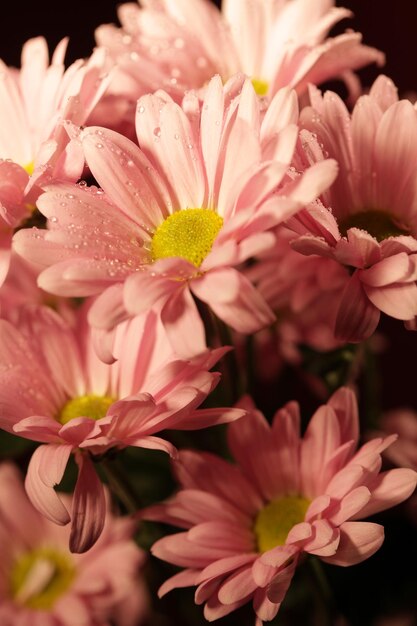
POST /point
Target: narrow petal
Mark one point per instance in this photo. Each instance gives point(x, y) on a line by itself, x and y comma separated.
point(45, 470)
point(357, 317)
point(358, 541)
point(183, 324)
point(388, 489)
point(88, 507)
point(243, 308)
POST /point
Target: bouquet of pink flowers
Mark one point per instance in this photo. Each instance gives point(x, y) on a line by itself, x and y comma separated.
point(204, 254)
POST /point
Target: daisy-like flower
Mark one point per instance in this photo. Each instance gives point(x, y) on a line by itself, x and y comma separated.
point(248, 525)
point(179, 45)
point(55, 390)
point(369, 219)
point(179, 213)
point(43, 584)
point(303, 292)
point(34, 146)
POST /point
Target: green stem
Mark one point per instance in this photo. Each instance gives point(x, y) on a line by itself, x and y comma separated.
point(234, 374)
point(120, 486)
point(324, 593)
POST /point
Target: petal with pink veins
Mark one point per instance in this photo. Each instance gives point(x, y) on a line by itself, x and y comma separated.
point(46, 469)
point(358, 541)
point(88, 507)
point(357, 317)
point(183, 324)
point(234, 300)
point(388, 489)
point(398, 300)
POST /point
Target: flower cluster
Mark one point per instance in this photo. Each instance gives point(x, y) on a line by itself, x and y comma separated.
point(188, 199)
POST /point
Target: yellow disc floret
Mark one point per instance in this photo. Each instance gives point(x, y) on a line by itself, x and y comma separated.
point(29, 167)
point(189, 234)
point(91, 406)
point(260, 86)
point(40, 577)
point(379, 224)
point(276, 519)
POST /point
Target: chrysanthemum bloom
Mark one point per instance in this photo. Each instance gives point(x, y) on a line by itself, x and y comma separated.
point(179, 45)
point(34, 146)
point(304, 292)
point(43, 584)
point(371, 224)
point(248, 525)
point(54, 389)
point(179, 213)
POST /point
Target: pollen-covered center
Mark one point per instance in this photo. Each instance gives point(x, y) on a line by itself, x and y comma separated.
point(38, 578)
point(260, 86)
point(379, 224)
point(91, 406)
point(189, 234)
point(276, 519)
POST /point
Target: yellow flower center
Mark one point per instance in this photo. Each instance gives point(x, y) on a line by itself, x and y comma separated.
point(40, 577)
point(260, 86)
point(379, 224)
point(276, 519)
point(29, 167)
point(91, 406)
point(189, 234)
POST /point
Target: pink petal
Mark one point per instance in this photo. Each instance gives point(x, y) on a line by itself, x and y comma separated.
point(39, 428)
point(114, 161)
point(277, 588)
point(211, 130)
point(187, 578)
point(183, 324)
point(155, 443)
point(203, 418)
point(46, 469)
point(265, 608)
point(358, 541)
point(238, 586)
point(357, 317)
point(394, 269)
point(234, 300)
point(345, 405)
point(321, 440)
point(389, 489)
point(209, 472)
point(399, 300)
point(353, 503)
point(78, 430)
point(88, 507)
point(143, 291)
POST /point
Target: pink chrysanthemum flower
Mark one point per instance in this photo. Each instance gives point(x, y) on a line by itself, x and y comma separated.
point(55, 390)
point(34, 146)
point(179, 45)
point(371, 222)
point(43, 584)
point(247, 526)
point(303, 292)
point(179, 213)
